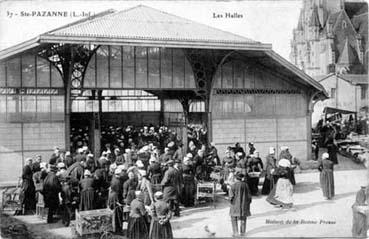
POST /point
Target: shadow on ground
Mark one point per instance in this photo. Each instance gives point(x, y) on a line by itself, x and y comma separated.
point(305, 187)
point(299, 207)
point(185, 223)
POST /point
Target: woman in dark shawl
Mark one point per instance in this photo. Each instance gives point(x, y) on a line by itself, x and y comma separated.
point(254, 168)
point(137, 222)
point(281, 195)
point(129, 188)
point(154, 170)
point(189, 189)
point(359, 215)
point(28, 191)
point(160, 227)
point(51, 190)
point(326, 176)
point(144, 185)
point(87, 189)
point(269, 169)
point(115, 198)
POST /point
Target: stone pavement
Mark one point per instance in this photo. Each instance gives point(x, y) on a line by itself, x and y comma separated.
point(311, 216)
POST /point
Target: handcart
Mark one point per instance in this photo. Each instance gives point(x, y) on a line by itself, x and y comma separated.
point(205, 190)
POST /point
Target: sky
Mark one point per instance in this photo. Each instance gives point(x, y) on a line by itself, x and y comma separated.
point(262, 20)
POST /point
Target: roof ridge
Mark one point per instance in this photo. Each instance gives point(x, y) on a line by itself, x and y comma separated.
point(364, 13)
point(115, 12)
point(83, 20)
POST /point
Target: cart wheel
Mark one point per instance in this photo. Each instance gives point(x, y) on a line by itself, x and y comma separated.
point(66, 216)
point(106, 235)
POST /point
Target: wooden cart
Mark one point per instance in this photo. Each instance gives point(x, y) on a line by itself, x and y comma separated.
point(205, 190)
point(11, 198)
point(94, 221)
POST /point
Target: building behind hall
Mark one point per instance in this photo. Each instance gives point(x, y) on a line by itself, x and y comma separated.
point(330, 43)
point(331, 37)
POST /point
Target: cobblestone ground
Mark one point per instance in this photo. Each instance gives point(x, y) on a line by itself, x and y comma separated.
point(311, 216)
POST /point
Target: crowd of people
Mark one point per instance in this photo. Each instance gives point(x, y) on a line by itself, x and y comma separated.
point(148, 173)
point(136, 137)
point(143, 170)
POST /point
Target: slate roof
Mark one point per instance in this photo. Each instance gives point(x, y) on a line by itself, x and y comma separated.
point(142, 22)
point(355, 79)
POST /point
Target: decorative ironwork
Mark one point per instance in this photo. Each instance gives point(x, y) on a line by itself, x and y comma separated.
point(60, 55)
point(255, 91)
point(204, 64)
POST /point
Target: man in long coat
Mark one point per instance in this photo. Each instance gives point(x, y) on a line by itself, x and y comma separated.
point(28, 193)
point(170, 185)
point(76, 170)
point(240, 197)
point(51, 190)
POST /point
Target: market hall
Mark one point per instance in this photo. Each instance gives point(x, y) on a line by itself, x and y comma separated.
point(142, 66)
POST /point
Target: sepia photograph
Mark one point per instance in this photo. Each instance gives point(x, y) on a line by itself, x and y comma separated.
point(163, 119)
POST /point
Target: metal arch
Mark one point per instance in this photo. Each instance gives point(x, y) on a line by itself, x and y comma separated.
point(80, 62)
point(312, 102)
point(52, 53)
point(220, 64)
point(59, 56)
point(92, 53)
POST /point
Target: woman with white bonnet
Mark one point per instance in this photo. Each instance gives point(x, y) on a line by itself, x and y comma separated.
point(284, 188)
point(160, 227)
point(87, 189)
point(326, 176)
point(144, 185)
point(137, 223)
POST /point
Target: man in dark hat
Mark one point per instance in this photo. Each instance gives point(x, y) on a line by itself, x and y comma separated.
point(237, 148)
point(170, 184)
point(51, 190)
point(240, 198)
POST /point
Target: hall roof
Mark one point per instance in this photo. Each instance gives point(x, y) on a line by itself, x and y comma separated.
point(146, 26)
point(140, 25)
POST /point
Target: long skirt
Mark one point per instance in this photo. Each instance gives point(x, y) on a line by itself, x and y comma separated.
point(253, 185)
point(327, 183)
point(189, 191)
point(137, 228)
point(267, 185)
point(87, 200)
point(28, 195)
point(359, 224)
point(158, 231)
point(284, 191)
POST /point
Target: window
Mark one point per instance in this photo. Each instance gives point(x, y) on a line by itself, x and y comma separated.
point(364, 92)
point(333, 93)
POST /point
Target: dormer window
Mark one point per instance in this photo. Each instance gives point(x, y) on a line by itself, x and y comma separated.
point(344, 24)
